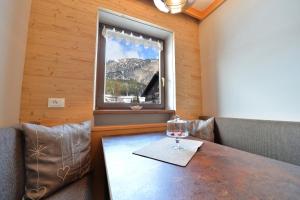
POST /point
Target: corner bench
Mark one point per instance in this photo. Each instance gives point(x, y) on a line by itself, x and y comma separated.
point(279, 140)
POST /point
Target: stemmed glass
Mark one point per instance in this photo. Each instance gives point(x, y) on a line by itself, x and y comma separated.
point(177, 129)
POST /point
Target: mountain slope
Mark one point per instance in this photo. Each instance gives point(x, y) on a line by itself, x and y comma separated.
point(135, 69)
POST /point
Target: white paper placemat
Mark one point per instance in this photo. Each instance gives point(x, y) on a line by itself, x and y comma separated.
point(163, 150)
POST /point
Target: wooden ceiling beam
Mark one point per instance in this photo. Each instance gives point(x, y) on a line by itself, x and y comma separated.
point(201, 15)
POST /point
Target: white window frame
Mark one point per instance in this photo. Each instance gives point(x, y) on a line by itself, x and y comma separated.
point(124, 21)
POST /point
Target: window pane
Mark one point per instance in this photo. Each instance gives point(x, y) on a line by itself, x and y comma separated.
point(132, 72)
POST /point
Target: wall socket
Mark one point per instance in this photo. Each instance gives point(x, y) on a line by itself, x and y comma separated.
point(56, 102)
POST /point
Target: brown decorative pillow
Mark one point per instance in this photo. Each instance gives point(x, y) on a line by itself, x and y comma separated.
point(203, 129)
point(55, 157)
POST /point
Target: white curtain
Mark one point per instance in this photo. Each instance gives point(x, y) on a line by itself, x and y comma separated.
point(130, 38)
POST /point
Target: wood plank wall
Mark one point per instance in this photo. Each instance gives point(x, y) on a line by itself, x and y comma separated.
point(61, 52)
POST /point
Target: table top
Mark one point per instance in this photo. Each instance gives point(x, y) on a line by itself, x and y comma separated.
point(215, 172)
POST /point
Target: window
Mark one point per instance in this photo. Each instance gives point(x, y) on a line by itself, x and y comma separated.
point(130, 69)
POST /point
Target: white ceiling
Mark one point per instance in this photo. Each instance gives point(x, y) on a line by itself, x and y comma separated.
point(201, 4)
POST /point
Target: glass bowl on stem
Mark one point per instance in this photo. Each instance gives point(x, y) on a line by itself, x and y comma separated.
point(177, 128)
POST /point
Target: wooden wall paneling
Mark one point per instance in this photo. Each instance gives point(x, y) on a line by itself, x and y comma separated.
point(60, 57)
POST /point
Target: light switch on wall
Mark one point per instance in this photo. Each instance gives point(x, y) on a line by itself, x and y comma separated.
point(56, 102)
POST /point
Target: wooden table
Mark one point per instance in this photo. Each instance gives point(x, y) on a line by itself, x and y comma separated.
point(215, 172)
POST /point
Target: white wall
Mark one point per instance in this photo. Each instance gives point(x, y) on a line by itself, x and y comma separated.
point(14, 17)
point(250, 53)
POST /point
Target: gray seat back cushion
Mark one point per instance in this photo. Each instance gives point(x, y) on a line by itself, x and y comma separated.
point(11, 164)
point(79, 190)
point(275, 139)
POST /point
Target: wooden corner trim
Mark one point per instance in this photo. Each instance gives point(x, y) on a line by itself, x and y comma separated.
point(201, 15)
point(194, 13)
point(128, 127)
point(102, 131)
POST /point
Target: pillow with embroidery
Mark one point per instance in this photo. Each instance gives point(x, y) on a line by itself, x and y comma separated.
point(55, 157)
point(203, 129)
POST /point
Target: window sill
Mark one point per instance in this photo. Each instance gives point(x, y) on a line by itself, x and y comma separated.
point(145, 111)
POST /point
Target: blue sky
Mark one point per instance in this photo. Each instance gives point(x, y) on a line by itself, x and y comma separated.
point(120, 49)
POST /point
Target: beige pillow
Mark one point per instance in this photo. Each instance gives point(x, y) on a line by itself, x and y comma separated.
point(203, 129)
point(55, 157)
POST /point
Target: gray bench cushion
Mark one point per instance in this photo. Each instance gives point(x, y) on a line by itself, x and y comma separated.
point(11, 164)
point(79, 190)
point(274, 139)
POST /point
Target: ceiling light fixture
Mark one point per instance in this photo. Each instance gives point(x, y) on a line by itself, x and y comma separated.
point(173, 6)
